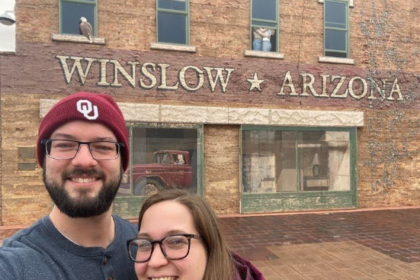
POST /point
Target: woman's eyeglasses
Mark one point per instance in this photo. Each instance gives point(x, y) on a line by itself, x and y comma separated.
point(173, 247)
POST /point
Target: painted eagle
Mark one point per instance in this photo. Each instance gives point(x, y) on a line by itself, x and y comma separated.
point(86, 29)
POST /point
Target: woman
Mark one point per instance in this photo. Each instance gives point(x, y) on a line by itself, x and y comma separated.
point(262, 39)
point(180, 238)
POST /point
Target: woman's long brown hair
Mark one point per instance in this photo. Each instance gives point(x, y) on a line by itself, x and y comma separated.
point(219, 261)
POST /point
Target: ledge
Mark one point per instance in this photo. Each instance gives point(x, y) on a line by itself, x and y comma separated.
point(154, 113)
point(336, 60)
point(77, 39)
point(7, 52)
point(351, 3)
point(273, 55)
point(170, 47)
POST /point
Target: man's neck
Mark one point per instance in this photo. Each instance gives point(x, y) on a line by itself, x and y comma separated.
point(98, 231)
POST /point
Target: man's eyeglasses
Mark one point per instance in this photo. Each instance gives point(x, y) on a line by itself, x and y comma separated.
point(67, 149)
point(173, 247)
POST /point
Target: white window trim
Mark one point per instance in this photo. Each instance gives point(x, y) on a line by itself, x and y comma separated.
point(336, 60)
point(154, 113)
point(274, 55)
point(351, 2)
point(77, 39)
point(172, 47)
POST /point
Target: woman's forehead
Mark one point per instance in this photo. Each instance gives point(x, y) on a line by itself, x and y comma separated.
point(165, 217)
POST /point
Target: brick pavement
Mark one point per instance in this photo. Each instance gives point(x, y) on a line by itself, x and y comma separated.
point(380, 244)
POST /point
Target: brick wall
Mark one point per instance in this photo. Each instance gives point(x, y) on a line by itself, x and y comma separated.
point(383, 34)
point(221, 152)
point(24, 198)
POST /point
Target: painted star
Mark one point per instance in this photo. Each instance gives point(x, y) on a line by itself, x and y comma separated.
point(255, 83)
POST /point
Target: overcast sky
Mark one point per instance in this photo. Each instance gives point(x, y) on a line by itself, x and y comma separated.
point(7, 33)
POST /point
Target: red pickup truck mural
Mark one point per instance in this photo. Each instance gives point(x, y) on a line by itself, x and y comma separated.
point(169, 169)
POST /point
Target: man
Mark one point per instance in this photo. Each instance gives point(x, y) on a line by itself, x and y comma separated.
point(83, 149)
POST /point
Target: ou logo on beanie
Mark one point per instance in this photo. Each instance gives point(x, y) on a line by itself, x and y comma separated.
point(85, 107)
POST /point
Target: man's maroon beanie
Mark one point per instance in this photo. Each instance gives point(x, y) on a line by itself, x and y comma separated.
point(90, 107)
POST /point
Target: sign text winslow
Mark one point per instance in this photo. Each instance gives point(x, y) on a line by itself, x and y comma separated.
point(145, 75)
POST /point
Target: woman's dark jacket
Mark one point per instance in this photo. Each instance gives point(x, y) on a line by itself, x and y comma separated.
point(245, 270)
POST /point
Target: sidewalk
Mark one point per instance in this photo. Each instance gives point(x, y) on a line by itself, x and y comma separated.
point(380, 244)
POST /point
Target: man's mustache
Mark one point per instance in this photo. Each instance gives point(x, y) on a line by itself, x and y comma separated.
point(81, 171)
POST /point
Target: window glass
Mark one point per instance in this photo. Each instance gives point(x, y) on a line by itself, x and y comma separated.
point(335, 40)
point(272, 25)
point(264, 9)
point(71, 12)
point(172, 21)
point(264, 25)
point(335, 15)
point(175, 28)
point(336, 28)
point(336, 54)
point(162, 158)
point(179, 5)
point(295, 161)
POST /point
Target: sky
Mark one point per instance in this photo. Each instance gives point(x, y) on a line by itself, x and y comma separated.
point(7, 33)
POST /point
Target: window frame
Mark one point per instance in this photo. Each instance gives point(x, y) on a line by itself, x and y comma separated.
point(86, 2)
point(300, 199)
point(276, 22)
point(169, 11)
point(128, 206)
point(346, 30)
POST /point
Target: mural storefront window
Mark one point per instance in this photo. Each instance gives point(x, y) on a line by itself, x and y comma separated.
point(161, 158)
point(295, 161)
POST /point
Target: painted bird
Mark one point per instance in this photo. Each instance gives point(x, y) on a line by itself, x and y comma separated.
point(86, 29)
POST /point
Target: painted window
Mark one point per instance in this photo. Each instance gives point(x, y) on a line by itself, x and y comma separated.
point(163, 158)
point(278, 160)
point(173, 21)
point(264, 25)
point(72, 10)
point(336, 28)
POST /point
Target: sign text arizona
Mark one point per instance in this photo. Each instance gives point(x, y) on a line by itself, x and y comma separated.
point(146, 75)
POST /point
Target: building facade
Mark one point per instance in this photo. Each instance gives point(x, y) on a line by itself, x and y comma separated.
point(259, 106)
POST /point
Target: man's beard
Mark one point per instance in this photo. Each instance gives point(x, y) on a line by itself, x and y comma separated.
point(82, 206)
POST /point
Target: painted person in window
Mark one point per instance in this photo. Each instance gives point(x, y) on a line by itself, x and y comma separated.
point(180, 159)
point(262, 39)
point(180, 238)
point(82, 147)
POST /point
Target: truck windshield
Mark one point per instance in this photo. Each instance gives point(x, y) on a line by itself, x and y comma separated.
point(158, 158)
point(166, 158)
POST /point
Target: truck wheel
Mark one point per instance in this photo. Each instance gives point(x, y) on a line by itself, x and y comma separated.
point(147, 187)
